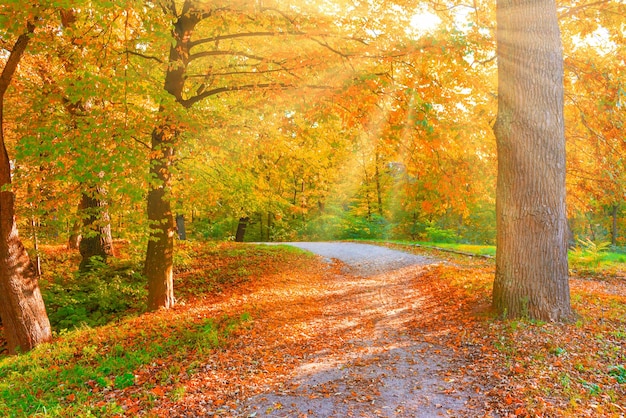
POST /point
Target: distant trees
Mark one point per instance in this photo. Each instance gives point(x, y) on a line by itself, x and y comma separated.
point(263, 121)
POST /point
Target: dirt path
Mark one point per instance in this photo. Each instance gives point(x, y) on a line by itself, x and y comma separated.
point(385, 367)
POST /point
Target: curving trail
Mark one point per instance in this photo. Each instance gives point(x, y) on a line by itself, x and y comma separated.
point(385, 367)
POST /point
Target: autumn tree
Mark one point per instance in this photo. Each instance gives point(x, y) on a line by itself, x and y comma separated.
point(531, 263)
point(217, 48)
point(594, 100)
point(21, 306)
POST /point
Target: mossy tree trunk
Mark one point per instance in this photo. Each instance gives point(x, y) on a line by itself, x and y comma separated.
point(96, 239)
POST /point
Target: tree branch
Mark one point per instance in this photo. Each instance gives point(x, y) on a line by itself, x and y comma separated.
point(242, 73)
point(576, 9)
point(148, 57)
point(141, 142)
point(187, 103)
point(325, 45)
point(242, 35)
point(14, 58)
point(203, 54)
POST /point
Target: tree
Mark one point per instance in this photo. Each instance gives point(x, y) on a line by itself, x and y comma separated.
point(216, 48)
point(22, 308)
point(96, 240)
point(594, 120)
point(531, 262)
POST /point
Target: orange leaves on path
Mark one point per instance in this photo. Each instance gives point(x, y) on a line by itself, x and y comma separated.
point(262, 329)
point(535, 368)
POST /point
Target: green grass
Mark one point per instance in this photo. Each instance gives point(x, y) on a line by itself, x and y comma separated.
point(588, 258)
point(77, 370)
point(466, 248)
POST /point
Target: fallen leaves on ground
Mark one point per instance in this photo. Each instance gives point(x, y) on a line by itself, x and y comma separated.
point(234, 336)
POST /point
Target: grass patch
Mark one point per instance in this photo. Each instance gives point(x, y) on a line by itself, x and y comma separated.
point(586, 259)
point(84, 365)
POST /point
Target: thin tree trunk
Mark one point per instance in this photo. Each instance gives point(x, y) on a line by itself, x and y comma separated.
point(241, 229)
point(614, 213)
point(22, 308)
point(33, 228)
point(180, 227)
point(159, 265)
point(33, 233)
point(379, 192)
point(303, 204)
point(75, 236)
point(367, 197)
point(96, 240)
point(531, 263)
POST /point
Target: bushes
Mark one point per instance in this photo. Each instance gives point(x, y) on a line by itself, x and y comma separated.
point(94, 298)
point(436, 234)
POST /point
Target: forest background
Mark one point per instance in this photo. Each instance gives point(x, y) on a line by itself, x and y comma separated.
point(126, 124)
point(313, 121)
point(265, 121)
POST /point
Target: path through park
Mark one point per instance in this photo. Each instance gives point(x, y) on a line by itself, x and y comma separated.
point(386, 365)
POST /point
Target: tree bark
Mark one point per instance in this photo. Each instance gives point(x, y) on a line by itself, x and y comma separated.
point(159, 265)
point(96, 240)
point(241, 229)
point(531, 263)
point(22, 308)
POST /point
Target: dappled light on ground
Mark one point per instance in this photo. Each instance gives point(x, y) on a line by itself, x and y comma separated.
point(292, 335)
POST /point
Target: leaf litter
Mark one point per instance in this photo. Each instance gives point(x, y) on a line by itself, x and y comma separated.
point(292, 335)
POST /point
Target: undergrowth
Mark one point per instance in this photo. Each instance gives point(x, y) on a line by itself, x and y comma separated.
point(102, 347)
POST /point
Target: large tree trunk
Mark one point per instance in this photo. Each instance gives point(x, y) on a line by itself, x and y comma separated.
point(531, 263)
point(96, 239)
point(21, 306)
point(159, 268)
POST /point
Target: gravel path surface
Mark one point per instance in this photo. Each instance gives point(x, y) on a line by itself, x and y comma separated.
point(363, 259)
point(384, 368)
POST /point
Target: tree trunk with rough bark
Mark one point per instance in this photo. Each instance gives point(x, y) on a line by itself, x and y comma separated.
point(531, 262)
point(159, 265)
point(22, 308)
